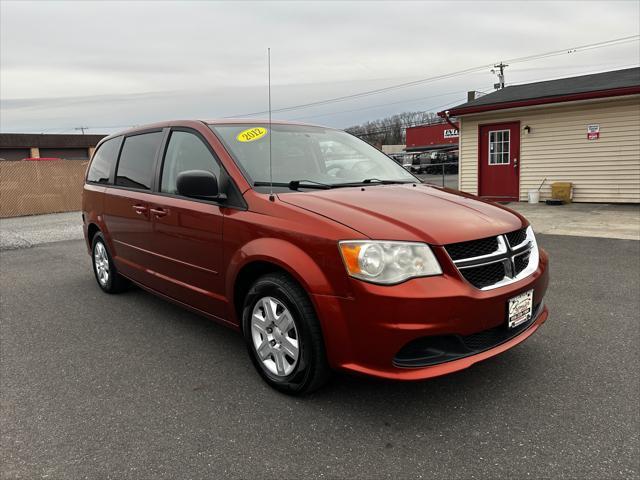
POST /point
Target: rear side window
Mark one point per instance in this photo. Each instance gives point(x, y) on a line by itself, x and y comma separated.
point(135, 168)
point(185, 152)
point(103, 161)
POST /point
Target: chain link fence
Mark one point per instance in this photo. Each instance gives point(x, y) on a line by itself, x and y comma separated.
point(442, 174)
point(37, 187)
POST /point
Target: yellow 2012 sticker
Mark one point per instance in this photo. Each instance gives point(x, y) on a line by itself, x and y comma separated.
point(251, 134)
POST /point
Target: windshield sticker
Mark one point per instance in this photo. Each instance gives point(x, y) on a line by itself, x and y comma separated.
point(251, 134)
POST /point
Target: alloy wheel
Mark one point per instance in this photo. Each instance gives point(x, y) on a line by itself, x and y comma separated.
point(275, 337)
point(101, 261)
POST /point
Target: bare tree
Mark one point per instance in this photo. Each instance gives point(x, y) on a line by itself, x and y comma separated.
point(391, 130)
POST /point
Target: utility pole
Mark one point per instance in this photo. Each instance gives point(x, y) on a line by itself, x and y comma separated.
point(501, 66)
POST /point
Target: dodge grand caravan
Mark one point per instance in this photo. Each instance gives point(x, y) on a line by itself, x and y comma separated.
point(320, 249)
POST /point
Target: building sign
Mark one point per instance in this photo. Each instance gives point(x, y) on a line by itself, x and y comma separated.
point(593, 131)
point(451, 133)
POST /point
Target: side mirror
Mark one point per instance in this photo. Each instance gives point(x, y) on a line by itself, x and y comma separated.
point(199, 184)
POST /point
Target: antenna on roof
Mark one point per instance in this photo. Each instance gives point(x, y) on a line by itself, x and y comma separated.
point(271, 196)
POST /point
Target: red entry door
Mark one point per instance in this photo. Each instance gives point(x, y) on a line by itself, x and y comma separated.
point(499, 170)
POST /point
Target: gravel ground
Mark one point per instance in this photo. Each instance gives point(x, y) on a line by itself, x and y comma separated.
point(129, 386)
point(25, 232)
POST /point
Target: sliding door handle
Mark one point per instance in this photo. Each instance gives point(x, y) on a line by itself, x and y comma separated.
point(159, 212)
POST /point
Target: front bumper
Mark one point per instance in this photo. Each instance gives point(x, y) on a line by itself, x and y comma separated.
point(365, 333)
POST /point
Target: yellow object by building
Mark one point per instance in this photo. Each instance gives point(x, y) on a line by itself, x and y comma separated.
point(562, 191)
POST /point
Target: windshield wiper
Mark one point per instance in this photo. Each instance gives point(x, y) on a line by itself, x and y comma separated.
point(295, 184)
point(384, 182)
point(312, 184)
point(371, 181)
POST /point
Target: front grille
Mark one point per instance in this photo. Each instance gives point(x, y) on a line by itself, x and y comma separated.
point(491, 262)
point(521, 262)
point(479, 341)
point(484, 275)
point(494, 336)
point(517, 237)
point(474, 248)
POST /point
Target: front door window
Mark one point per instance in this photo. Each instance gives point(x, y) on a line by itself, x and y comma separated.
point(185, 152)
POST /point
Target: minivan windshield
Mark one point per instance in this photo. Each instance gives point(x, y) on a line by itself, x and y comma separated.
point(307, 156)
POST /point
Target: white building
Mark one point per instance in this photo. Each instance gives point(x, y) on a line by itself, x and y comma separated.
point(584, 130)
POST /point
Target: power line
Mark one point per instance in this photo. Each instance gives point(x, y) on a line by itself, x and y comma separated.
point(364, 94)
point(576, 74)
point(392, 128)
point(606, 43)
point(565, 51)
point(83, 129)
point(381, 105)
point(481, 90)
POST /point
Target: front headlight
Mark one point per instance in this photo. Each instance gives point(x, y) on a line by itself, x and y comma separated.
point(388, 262)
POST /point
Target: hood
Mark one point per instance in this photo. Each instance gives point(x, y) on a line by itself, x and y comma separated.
point(411, 213)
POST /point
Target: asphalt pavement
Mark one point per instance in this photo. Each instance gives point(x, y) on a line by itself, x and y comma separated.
point(130, 386)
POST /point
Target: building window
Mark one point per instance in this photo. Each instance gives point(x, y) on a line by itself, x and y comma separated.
point(499, 147)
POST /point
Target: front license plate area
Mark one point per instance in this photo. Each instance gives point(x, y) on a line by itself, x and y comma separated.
point(520, 309)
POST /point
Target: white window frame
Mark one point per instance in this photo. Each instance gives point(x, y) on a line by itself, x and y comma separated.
point(502, 142)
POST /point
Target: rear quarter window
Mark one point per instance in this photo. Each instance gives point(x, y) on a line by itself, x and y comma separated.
point(103, 161)
point(137, 160)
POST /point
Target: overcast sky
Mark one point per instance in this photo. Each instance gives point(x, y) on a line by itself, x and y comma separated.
point(109, 65)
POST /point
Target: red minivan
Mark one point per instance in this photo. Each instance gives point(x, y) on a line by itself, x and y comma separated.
point(320, 249)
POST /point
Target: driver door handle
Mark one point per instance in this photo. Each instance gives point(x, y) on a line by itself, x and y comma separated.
point(140, 209)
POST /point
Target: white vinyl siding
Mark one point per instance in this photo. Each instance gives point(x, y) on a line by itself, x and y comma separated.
point(602, 170)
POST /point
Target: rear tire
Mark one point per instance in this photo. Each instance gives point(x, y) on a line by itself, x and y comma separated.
point(283, 335)
point(107, 276)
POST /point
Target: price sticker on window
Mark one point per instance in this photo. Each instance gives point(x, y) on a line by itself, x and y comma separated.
point(251, 134)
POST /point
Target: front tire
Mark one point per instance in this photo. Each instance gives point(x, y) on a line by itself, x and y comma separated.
point(283, 335)
point(107, 276)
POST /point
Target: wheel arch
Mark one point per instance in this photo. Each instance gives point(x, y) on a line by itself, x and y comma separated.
point(257, 258)
point(92, 229)
point(94, 225)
